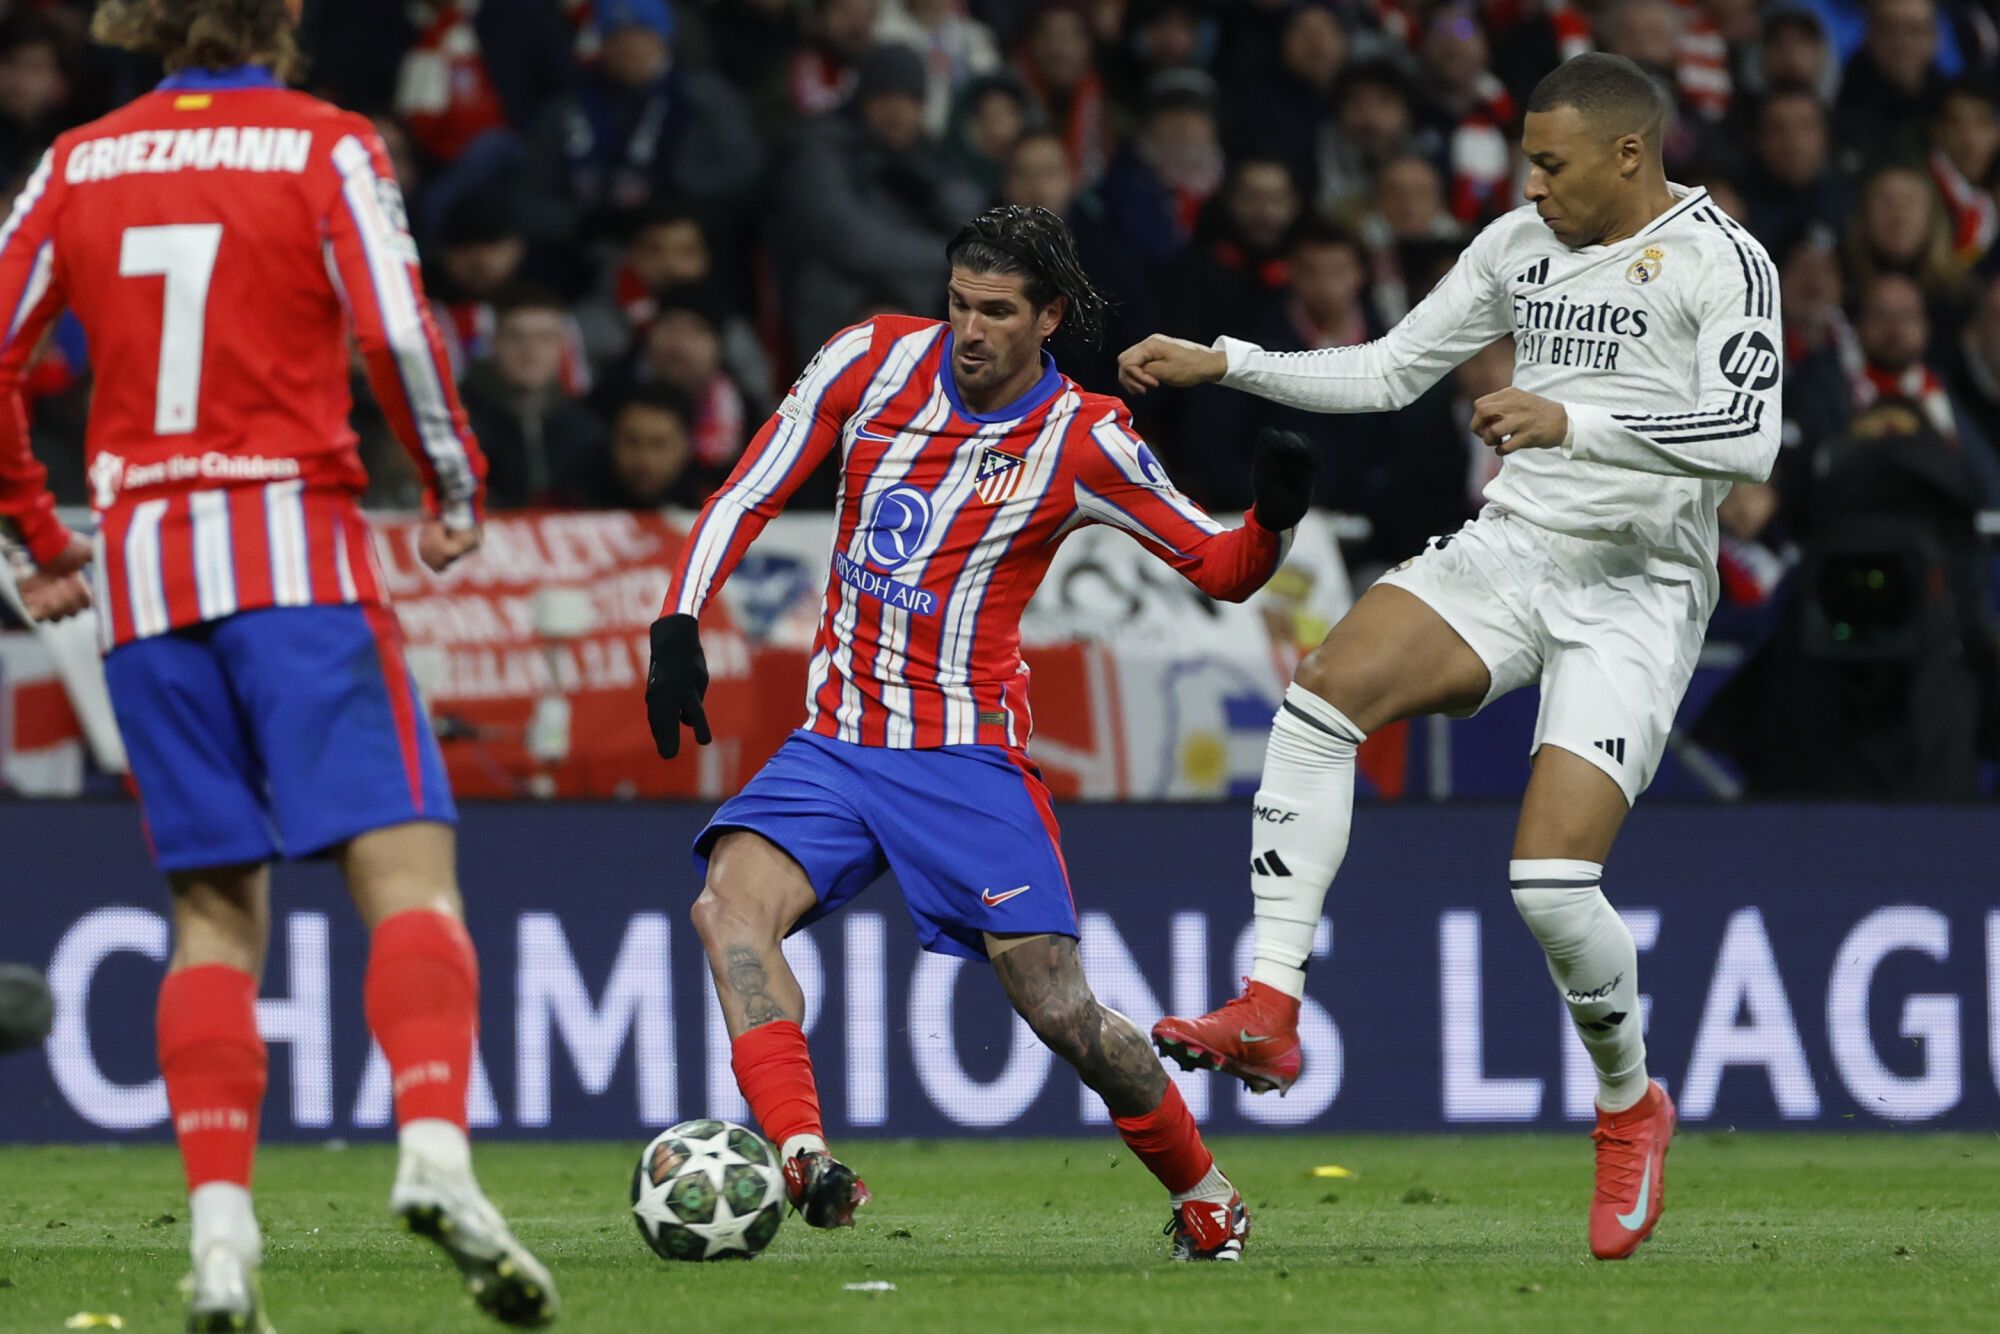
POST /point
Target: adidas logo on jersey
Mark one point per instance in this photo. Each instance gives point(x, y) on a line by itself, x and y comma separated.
point(1268, 863)
point(1615, 748)
point(1536, 275)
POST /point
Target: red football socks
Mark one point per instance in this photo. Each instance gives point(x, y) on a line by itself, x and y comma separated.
point(1167, 1141)
point(775, 1073)
point(422, 1000)
point(215, 1066)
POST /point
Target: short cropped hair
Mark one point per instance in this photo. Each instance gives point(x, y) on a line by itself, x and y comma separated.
point(1610, 92)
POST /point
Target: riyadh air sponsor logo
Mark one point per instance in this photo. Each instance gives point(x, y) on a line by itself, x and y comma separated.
point(1750, 362)
point(873, 583)
point(901, 519)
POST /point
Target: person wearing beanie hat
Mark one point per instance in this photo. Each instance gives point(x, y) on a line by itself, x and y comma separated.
point(868, 201)
point(637, 125)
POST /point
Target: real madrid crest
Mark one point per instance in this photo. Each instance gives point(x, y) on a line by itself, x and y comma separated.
point(1646, 268)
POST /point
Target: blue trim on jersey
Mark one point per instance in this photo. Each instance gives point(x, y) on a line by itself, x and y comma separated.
point(1045, 389)
point(219, 80)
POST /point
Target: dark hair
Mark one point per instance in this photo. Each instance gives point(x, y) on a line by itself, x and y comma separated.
point(203, 34)
point(659, 396)
point(698, 298)
point(525, 294)
point(1316, 229)
point(1969, 88)
point(1378, 73)
point(22, 30)
point(1034, 244)
point(1610, 92)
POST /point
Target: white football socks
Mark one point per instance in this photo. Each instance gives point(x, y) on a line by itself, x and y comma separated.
point(1214, 1186)
point(441, 1144)
point(1299, 832)
point(219, 1211)
point(1595, 966)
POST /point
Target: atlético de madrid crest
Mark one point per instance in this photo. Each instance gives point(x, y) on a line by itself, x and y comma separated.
point(999, 475)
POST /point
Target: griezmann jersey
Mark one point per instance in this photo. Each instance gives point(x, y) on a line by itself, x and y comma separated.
point(946, 522)
point(216, 238)
point(1664, 349)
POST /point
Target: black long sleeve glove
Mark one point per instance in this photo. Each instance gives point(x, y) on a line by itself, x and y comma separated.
point(675, 683)
point(1283, 478)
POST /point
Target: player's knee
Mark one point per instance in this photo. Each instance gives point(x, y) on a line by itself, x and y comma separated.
point(1329, 672)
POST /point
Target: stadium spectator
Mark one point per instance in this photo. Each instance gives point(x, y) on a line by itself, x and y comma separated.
point(1234, 273)
point(992, 117)
point(1473, 113)
point(868, 202)
point(1795, 52)
point(648, 460)
point(956, 51)
point(1168, 172)
point(1157, 37)
point(1965, 167)
point(754, 44)
point(1057, 59)
point(1893, 334)
point(1374, 120)
point(532, 430)
point(1405, 214)
point(683, 348)
point(34, 89)
point(669, 248)
point(1279, 112)
point(824, 74)
point(637, 124)
point(1892, 88)
point(1794, 186)
point(1974, 375)
point(1900, 227)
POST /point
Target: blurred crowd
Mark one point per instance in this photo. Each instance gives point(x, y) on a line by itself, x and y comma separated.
point(639, 217)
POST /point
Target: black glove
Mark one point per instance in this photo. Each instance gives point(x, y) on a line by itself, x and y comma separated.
point(675, 684)
point(1283, 478)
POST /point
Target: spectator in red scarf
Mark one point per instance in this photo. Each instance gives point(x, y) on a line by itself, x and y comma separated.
point(1405, 216)
point(1474, 113)
point(823, 75)
point(1901, 228)
point(1058, 62)
point(533, 431)
point(1235, 272)
point(1965, 167)
point(1893, 331)
point(479, 256)
point(683, 348)
point(1374, 119)
point(669, 249)
point(1170, 169)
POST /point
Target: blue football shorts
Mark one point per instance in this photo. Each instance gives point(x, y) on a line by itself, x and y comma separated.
point(969, 831)
point(274, 733)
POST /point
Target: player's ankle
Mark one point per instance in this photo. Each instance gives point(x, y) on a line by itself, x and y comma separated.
point(1278, 976)
point(798, 1144)
point(1621, 1093)
point(1214, 1186)
point(439, 1143)
point(221, 1212)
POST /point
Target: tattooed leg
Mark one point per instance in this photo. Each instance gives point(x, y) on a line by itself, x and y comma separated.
point(1044, 979)
point(753, 896)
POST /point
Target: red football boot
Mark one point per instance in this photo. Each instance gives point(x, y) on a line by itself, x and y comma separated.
point(823, 1190)
point(1210, 1229)
point(1631, 1174)
point(1254, 1038)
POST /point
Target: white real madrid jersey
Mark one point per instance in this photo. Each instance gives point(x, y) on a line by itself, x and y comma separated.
point(1663, 349)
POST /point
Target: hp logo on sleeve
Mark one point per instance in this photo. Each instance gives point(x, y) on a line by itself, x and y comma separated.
point(901, 519)
point(1750, 362)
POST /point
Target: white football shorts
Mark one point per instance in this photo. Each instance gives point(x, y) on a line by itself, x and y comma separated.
point(1612, 646)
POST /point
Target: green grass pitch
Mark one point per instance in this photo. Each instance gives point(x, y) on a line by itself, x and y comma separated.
point(1762, 1232)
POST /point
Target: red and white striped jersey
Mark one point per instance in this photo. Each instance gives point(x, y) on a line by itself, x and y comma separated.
point(216, 237)
point(946, 523)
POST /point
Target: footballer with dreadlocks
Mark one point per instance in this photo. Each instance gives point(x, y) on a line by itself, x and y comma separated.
point(966, 458)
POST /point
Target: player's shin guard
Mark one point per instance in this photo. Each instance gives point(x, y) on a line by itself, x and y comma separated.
point(1167, 1141)
point(1595, 966)
point(214, 1062)
point(1303, 811)
point(421, 995)
point(774, 1070)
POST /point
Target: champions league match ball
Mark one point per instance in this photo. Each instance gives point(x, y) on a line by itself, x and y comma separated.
point(708, 1190)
